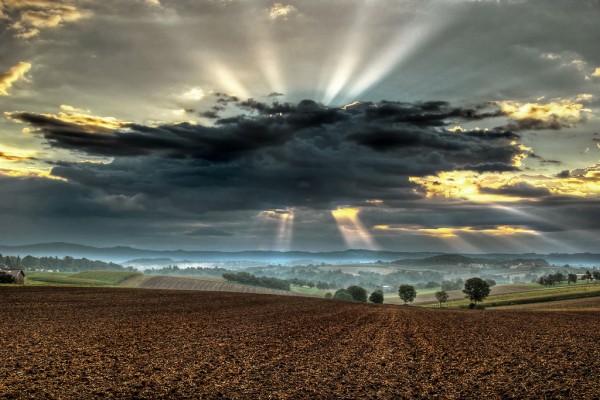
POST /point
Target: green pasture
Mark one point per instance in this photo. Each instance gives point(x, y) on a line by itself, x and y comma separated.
point(543, 294)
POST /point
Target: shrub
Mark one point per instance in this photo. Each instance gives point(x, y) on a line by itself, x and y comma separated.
point(376, 297)
point(358, 293)
point(6, 278)
point(343, 295)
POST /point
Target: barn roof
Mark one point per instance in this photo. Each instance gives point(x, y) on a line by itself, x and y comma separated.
point(13, 272)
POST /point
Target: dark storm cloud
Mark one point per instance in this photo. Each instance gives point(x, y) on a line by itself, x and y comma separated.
point(280, 154)
point(521, 189)
point(489, 167)
point(553, 122)
point(431, 113)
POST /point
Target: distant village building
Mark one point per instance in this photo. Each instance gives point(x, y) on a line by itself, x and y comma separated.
point(17, 274)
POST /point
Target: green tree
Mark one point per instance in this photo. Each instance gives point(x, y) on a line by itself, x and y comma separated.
point(376, 297)
point(328, 296)
point(343, 295)
point(558, 277)
point(358, 293)
point(407, 293)
point(441, 296)
point(596, 275)
point(571, 278)
point(547, 280)
point(588, 276)
point(322, 285)
point(476, 289)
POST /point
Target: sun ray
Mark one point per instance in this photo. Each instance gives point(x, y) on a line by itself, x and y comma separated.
point(284, 232)
point(284, 220)
point(352, 229)
point(408, 39)
point(354, 48)
point(228, 80)
point(269, 63)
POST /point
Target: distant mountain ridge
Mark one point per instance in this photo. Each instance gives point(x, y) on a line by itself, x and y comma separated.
point(123, 254)
point(457, 259)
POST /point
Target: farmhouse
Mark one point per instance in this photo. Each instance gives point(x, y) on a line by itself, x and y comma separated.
point(17, 274)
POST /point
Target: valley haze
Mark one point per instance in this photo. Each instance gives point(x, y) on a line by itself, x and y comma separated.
point(122, 254)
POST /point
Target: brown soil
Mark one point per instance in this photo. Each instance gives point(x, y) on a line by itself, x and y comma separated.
point(133, 343)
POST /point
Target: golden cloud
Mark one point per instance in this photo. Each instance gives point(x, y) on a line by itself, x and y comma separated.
point(30, 173)
point(494, 187)
point(12, 75)
point(84, 121)
point(29, 17)
point(277, 213)
point(450, 232)
point(464, 185)
point(5, 156)
point(346, 212)
point(596, 73)
point(551, 115)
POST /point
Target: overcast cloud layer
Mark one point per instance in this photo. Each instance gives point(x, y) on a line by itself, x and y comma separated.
point(436, 125)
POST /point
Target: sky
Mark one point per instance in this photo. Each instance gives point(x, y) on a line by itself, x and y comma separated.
point(404, 125)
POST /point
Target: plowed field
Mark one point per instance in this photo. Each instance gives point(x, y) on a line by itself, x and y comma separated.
point(132, 343)
point(205, 284)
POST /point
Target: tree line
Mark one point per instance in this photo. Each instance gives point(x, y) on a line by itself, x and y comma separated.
point(247, 278)
point(65, 264)
point(475, 289)
point(558, 277)
point(356, 293)
point(188, 271)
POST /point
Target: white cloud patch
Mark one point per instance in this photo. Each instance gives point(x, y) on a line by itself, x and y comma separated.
point(279, 11)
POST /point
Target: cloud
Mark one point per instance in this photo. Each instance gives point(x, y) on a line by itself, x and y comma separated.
point(208, 231)
point(279, 11)
point(518, 189)
point(596, 73)
point(277, 155)
point(12, 75)
point(562, 113)
point(74, 129)
point(29, 17)
point(13, 157)
point(455, 231)
point(510, 187)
